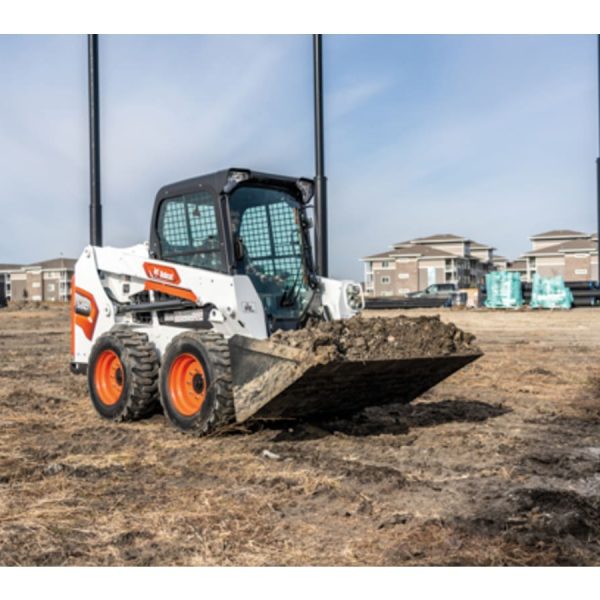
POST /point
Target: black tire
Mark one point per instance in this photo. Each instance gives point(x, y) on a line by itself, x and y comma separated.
point(137, 375)
point(214, 383)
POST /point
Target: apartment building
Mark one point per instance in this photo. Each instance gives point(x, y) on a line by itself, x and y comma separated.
point(5, 270)
point(518, 266)
point(501, 263)
point(48, 280)
point(414, 264)
point(570, 254)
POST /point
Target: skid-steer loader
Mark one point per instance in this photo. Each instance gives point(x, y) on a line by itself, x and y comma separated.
point(185, 319)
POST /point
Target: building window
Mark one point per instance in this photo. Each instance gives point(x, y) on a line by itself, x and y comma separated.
point(385, 264)
point(385, 279)
point(35, 284)
point(51, 287)
point(403, 275)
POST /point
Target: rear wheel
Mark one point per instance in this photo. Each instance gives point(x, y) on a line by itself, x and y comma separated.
point(195, 382)
point(123, 375)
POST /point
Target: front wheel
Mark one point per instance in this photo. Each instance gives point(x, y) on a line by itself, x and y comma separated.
point(195, 382)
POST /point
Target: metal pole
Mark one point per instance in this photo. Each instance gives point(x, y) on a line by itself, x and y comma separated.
point(94, 115)
point(321, 258)
point(598, 164)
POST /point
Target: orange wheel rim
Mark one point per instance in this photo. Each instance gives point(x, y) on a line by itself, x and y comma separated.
point(109, 377)
point(187, 384)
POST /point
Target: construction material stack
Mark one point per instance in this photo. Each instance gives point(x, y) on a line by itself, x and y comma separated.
point(503, 290)
point(550, 292)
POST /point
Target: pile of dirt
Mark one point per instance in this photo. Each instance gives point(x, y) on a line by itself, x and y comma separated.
point(379, 338)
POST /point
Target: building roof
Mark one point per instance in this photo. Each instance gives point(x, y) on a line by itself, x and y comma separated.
point(403, 244)
point(575, 245)
point(440, 237)
point(380, 255)
point(422, 250)
point(499, 258)
point(424, 247)
point(56, 263)
point(412, 250)
point(478, 246)
point(517, 265)
point(581, 245)
point(53, 263)
point(558, 233)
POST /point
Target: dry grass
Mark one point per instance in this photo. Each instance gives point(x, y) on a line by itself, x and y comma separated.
point(497, 465)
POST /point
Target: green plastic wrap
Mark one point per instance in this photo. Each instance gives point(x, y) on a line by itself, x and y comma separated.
point(503, 290)
point(550, 292)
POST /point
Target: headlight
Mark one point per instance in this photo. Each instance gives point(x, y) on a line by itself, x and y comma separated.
point(354, 296)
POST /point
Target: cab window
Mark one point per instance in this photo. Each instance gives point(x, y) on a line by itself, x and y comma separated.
point(188, 231)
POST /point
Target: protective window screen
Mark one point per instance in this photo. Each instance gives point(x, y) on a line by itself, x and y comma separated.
point(189, 232)
point(271, 238)
point(174, 225)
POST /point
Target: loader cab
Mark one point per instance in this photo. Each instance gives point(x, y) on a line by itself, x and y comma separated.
point(271, 247)
point(241, 222)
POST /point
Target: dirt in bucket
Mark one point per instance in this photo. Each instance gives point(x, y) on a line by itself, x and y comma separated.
point(380, 338)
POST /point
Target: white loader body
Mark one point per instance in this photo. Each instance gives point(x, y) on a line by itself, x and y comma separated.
point(106, 279)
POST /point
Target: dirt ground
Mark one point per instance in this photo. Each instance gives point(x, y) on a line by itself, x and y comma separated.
point(499, 464)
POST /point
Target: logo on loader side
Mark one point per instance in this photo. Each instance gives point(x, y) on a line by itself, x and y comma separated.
point(161, 273)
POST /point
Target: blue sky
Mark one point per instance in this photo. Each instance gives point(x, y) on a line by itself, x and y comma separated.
point(491, 137)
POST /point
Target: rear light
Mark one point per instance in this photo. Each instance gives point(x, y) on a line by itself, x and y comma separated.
point(85, 311)
point(83, 305)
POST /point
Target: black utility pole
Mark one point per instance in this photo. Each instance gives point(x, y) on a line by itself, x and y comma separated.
point(598, 163)
point(94, 113)
point(321, 258)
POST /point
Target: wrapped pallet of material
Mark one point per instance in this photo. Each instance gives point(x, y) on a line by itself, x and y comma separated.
point(503, 290)
point(550, 292)
point(473, 297)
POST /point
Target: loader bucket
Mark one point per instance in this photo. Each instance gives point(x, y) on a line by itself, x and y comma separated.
point(273, 381)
